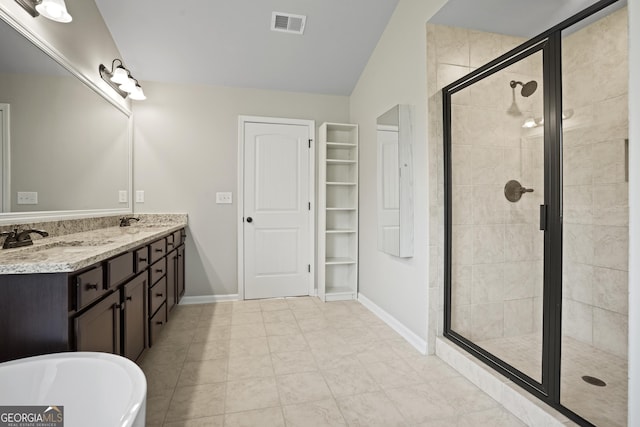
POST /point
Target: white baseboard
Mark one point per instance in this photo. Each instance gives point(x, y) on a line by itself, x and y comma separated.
point(207, 299)
point(413, 339)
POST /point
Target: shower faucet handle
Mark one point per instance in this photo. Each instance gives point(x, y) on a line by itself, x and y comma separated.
point(513, 191)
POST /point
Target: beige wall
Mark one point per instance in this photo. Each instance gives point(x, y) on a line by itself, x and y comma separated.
point(395, 74)
point(85, 42)
point(186, 150)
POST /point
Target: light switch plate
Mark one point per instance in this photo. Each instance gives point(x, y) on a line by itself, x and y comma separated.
point(224, 198)
point(139, 196)
point(122, 196)
point(27, 198)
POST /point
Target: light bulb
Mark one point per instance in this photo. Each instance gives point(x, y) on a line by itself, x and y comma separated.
point(137, 94)
point(120, 75)
point(128, 86)
point(56, 10)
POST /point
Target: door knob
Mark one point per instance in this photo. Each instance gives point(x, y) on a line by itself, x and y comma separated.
point(249, 219)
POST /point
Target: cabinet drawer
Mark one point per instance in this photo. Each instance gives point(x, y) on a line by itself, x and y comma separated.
point(158, 250)
point(119, 269)
point(89, 287)
point(158, 270)
point(171, 243)
point(157, 295)
point(156, 323)
point(178, 237)
point(141, 259)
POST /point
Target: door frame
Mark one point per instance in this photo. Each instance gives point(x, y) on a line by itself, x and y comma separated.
point(311, 125)
point(5, 152)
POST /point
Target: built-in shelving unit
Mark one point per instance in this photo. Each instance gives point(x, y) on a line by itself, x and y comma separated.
point(338, 212)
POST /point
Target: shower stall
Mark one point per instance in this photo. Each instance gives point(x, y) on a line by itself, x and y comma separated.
point(536, 214)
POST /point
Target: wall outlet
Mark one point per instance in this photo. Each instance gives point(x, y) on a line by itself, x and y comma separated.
point(224, 198)
point(122, 196)
point(139, 196)
point(27, 198)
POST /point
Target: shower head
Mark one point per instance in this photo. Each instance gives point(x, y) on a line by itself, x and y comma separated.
point(528, 88)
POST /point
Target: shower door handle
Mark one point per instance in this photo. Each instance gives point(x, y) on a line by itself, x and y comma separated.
point(543, 217)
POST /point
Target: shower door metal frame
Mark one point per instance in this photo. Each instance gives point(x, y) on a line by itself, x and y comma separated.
point(550, 43)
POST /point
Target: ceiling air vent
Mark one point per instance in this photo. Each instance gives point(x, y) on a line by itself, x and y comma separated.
point(288, 23)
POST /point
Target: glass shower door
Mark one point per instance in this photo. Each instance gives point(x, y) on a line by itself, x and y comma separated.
point(496, 188)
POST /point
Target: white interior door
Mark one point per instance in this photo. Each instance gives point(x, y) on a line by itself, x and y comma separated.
point(277, 228)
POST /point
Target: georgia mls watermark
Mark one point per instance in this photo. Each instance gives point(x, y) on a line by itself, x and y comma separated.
point(31, 416)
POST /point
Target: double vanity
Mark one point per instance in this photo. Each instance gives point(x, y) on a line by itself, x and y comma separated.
point(108, 290)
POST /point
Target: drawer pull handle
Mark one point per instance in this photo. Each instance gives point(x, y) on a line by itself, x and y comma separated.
point(169, 244)
point(159, 270)
point(92, 286)
point(159, 295)
point(129, 298)
point(158, 250)
point(142, 259)
point(160, 323)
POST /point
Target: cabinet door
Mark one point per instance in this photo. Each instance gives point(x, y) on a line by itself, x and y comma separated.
point(180, 274)
point(98, 329)
point(135, 317)
point(172, 290)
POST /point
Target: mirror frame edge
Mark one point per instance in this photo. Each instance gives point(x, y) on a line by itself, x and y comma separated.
point(53, 53)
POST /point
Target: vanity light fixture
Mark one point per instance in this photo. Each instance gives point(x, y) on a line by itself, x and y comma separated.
point(120, 79)
point(56, 10)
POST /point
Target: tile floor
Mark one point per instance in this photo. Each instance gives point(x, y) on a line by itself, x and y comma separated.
point(602, 406)
point(301, 362)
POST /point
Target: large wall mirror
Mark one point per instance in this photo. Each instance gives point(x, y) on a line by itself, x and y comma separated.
point(66, 150)
point(395, 181)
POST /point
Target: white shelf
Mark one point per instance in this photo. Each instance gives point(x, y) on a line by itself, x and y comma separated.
point(341, 162)
point(339, 261)
point(338, 212)
point(341, 144)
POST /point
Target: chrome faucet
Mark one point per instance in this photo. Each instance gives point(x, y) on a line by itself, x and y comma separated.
point(126, 221)
point(18, 239)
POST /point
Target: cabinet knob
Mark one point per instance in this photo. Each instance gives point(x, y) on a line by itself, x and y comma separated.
point(249, 219)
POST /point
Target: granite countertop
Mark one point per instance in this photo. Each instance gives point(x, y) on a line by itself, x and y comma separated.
point(75, 251)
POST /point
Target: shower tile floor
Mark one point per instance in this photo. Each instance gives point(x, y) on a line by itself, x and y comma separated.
point(301, 362)
point(602, 406)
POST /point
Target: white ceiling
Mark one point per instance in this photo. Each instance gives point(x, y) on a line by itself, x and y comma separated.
point(229, 42)
point(524, 18)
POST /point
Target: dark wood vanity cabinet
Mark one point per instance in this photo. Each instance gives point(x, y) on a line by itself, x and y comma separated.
point(116, 306)
point(135, 315)
point(98, 329)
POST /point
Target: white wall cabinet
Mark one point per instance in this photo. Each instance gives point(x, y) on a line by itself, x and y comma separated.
point(338, 212)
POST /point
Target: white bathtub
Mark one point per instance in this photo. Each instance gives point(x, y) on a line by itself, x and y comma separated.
point(95, 389)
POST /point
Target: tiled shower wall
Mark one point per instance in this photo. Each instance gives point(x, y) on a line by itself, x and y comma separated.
point(492, 255)
point(595, 87)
